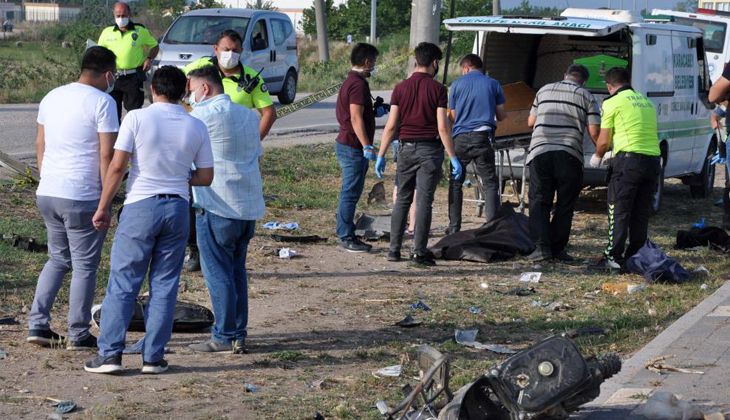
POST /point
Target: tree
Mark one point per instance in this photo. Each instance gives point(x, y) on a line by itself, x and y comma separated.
point(353, 18)
point(687, 6)
point(262, 5)
point(206, 4)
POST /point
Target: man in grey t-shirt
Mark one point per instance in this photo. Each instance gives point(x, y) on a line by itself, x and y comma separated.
point(559, 115)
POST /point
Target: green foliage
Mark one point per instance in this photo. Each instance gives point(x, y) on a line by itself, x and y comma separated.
point(353, 18)
point(262, 5)
point(206, 4)
point(687, 6)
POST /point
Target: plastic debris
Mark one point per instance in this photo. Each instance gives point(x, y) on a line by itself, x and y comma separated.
point(318, 416)
point(377, 194)
point(309, 239)
point(700, 224)
point(518, 291)
point(633, 288)
point(468, 338)
point(54, 416)
point(9, 321)
point(64, 407)
point(286, 253)
point(3, 355)
point(701, 269)
point(530, 277)
point(420, 305)
point(704, 287)
point(251, 387)
point(484, 286)
point(408, 322)
point(666, 406)
point(318, 384)
point(475, 310)
point(280, 226)
point(623, 287)
point(713, 416)
point(657, 365)
point(392, 371)
point(592, 295)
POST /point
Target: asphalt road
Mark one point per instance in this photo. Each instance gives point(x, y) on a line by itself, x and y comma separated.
point(18, 124)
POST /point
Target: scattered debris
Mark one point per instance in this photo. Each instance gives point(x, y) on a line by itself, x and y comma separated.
point(372, 227)
point(699, 225)
point(633, 288)
point(557, 306)
point(530, 277)
point(318, 416)
point(484, 286)
point(286, 253)
point(518, 291)
point(475, 310)
point(623, 287)
point(468, 338)
point(281, 226)
point(666, 406)
point(251, 387)
point(592, 295)
point(392, 371)
point(713, 416)
point(309, 239)
point(54, 416)
point(318, 384)
point(701, 270)
point(704, 287)
point(420, 305)
point(3, 354)
point(652, 312)
point(657, 365)
point(26, 243)
point(64, 407)
point(9, 321)
point(408, 322)
point(377, 194)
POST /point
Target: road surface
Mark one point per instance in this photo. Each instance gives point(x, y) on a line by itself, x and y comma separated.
point(18, 125)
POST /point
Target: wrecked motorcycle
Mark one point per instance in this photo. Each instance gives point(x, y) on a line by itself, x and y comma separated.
point(549, 380)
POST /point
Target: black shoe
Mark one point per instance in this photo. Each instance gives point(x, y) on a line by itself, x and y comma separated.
point(105, 364)
point(726, 222)
point(538, 256)
point(45, 338)
point(605, 264)
point(239, 347)
point(426, 260)
point(192, 263)
point(451, 230)
point(159, 366)
point(564, 256)
point(394, 256)
point(89, 343)
point(353, 245)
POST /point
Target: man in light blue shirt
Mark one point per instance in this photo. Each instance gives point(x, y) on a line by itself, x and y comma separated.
point(226, 212)
point(475, 101)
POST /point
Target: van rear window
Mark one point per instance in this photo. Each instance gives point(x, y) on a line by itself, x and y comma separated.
point(204, 30)
point(714, 32)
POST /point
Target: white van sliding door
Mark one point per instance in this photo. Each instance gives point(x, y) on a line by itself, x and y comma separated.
point(684, 108)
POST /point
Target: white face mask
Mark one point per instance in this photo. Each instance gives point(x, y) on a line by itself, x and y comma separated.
point(122, 22)
point(192, 101)
point(110, 87)
point(229, 59)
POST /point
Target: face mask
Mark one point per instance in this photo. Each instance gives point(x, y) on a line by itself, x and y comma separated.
point(435, 72)
point(122, 22)
point(229, 59)
point(191, 100)
point(110, 87)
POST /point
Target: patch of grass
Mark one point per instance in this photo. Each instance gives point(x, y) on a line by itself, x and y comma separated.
point(288, 356)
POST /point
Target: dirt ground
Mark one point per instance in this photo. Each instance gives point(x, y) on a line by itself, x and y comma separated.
point(328, 315)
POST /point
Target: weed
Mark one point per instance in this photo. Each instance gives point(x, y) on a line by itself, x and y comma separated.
point(288, 356)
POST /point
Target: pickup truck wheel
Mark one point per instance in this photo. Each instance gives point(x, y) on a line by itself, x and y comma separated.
point(289, 89)
point(657, 204)
point(704, 190)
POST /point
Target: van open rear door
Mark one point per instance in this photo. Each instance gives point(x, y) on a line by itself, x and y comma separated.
point(530, 25)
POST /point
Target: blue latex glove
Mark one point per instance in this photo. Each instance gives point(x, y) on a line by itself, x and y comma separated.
point(717, 159)
point(380, 166)
point(380, 111)
point(456, 168)
point(369, 152)
point(700, 224)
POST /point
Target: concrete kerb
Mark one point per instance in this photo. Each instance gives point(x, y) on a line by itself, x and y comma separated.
point(312, 129)
point(658, 346)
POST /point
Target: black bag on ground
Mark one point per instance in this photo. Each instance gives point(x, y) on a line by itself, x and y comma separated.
point(189, 317)
point(652, 263)
point(500, 239)
point(711, 236)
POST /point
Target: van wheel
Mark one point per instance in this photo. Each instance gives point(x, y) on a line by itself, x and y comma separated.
point(707, 175)
point(657, 204)
point(289, 89)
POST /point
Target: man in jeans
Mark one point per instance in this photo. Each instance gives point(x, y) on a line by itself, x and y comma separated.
point(77, 127)
point(419, 103)
point(476, 99)
point(226, 212)
point(354, 145)
point(559, 116)
point(163, 142)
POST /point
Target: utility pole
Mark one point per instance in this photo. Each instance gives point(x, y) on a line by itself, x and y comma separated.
point(373, 20)
point(425, 23)
point(322, 42)
point(496, 8)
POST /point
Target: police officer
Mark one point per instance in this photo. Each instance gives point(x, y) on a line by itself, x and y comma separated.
point(128, 41)
point(629, 122)
point(243, 84)
point(245, 87)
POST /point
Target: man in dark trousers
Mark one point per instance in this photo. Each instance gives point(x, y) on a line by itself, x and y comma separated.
point(628, 123)
point(419, 103)
point(559, 115)
point(720, 92)
point(354, 145)
point(475, 100)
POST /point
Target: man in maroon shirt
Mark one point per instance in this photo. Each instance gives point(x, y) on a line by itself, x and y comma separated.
point(354, 145)
point(420, 103)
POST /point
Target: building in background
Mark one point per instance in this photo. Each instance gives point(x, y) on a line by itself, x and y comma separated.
point(723, 5)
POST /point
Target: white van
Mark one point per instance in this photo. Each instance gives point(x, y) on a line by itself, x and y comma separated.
point(269, 43)
point(667, 64)
point(714, 25)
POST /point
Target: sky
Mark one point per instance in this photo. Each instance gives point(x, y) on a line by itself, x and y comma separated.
point(592, 4)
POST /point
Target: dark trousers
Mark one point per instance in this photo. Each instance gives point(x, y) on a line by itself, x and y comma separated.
point(553, 172)
point(474, 147)
point(193, 237)
point(419, 169)
point(631, 190)
point(128, 90)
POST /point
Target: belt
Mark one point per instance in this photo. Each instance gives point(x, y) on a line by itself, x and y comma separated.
point(421, 140)
point(635, 155)
point(168, 196)
point(126, 72)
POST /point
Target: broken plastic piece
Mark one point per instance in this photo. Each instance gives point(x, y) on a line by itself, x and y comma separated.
point(286, 253)
point(530, 277)
point(408, 322)
point(318, 384)
point(484, 286)
point(666, 406)
point(518, 291)
point(9, 321)
point(701, 269)
point(3, 355)
point(475, 311)
point(64, 407)
point(392, 371)
point(704, 287)
point(280, 226)
point(420, 305)
point(251, 388)
point(633, 288)
point(377, 194)
point(468, 338)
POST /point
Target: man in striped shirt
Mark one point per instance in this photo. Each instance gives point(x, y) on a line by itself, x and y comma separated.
point(560, 113)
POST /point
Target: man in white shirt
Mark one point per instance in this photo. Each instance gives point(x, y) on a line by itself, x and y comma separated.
point(163, 142)
point(77, 127)
point(226, 212)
